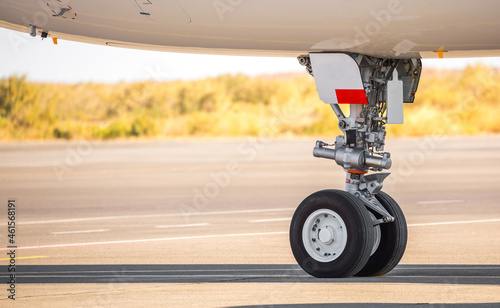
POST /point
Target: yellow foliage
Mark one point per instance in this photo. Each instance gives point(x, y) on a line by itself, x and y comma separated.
point(450, 102)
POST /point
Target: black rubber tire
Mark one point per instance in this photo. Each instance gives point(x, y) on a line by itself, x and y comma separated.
point(393, 240)
point(360, 234)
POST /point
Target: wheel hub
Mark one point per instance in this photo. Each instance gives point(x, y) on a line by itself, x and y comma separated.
point(326, 235)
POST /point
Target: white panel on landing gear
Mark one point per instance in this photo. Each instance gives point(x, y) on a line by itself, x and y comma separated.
point(395, 100)
point(338, 79)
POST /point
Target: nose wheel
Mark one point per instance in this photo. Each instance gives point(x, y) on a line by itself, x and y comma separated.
point(393, 237)
point(331, 234)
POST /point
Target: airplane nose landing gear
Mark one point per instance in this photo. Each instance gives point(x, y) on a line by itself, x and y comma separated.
point(362, 230)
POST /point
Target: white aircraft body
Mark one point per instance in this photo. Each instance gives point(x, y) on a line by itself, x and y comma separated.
point(383, 28)
point(364, 53)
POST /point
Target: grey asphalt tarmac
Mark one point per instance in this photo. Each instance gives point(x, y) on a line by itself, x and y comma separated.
point(204, 223)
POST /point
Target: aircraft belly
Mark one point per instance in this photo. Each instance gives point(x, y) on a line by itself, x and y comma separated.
point(389, 28)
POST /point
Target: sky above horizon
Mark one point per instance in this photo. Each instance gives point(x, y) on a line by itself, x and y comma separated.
point(72, 62)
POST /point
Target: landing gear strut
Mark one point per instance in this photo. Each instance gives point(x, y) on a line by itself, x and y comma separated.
point(362, 230)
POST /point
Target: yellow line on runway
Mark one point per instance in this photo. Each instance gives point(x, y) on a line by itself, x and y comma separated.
point(22, 258)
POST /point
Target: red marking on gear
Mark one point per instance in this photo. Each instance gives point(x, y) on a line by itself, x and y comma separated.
point(351, 96)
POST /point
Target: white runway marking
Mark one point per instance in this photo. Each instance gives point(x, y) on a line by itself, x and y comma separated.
point(454, 222)
point(440, 201)
point(184, 270)
point(150, 240)
point(176, 276)
point(82, 231)
point(153, 215)
point(183, 226)
point(270, 220)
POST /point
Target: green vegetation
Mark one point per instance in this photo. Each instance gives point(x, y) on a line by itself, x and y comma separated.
point(452, 102)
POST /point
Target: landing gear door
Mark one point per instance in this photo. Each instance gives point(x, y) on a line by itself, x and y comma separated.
point(337, 78)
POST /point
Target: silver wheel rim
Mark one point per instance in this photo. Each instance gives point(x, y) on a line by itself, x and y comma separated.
point(377, 233)
point(324, 235)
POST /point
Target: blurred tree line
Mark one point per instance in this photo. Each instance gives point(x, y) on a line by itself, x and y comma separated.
point(449, 102)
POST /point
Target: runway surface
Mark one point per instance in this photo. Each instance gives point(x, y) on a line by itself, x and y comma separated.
point(205, 223)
